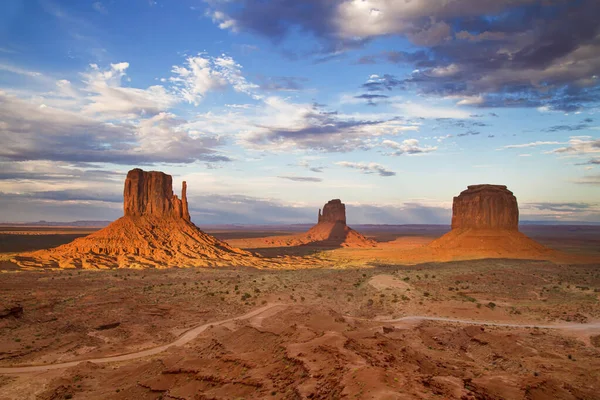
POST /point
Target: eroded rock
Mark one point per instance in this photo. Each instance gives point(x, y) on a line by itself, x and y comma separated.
point(150, 193)
point(485, 207)
point(13, 310)
point(333, 211)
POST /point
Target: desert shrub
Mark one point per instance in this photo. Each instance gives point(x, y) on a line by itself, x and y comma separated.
point(491, 305)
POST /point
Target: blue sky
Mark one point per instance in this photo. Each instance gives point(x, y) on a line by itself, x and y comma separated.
point(271, 108)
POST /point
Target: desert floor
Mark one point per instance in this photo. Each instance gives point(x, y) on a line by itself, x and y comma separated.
point(369, 327)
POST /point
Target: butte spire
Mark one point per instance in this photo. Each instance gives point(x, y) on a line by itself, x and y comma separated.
point(155, 231)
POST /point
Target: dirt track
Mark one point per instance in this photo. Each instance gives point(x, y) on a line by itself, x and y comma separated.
point(194, 332)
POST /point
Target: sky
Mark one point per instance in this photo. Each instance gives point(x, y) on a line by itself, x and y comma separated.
point(268, 109)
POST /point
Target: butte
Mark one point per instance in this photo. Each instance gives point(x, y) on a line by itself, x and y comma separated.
point(155, 232)
point(485, 224)
point(331, 230)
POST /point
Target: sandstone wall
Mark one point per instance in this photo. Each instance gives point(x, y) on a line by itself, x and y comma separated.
point(333, 211)
point(151, 194)
point(486, 207)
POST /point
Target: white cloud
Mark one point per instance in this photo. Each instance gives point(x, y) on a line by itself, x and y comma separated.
point(367, 168)
point(202, 74)
point(408, 146)
point(223, 20)
point(471, 101)
point(365, 18)
point(416, 110)
point(532, 144)
point(20, 71)
point(29, 131)
point(280, 125)
point(108, 99)
point(443, 72)
point(580, 145)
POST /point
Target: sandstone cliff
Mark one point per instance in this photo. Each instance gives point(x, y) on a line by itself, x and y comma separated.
point(485, 207)
point(151, 194)
point(333, 211)
point(330, 231)
point(485, 224)
point(155, 231)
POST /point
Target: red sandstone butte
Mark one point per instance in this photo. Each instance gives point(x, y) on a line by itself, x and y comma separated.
point(485, 224)
point(330, 231)
point(333, 211)
point(485, 207)
point(151, 194)
point(155, 232)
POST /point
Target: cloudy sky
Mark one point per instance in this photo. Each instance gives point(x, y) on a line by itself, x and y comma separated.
point(268, 109)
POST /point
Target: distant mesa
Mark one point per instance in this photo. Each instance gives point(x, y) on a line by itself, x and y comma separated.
point(155, 232)
point(334, 211)
point(330, 231)
point(485, 207)
point(485, 224)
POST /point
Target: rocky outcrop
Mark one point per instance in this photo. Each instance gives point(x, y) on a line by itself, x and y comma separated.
point(485, 207)
point(13, 310)
point(330, 231)
point(155, 231)
point(151, 194)
point(485, 224)
point(333, 211)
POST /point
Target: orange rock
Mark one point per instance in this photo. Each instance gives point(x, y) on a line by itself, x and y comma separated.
point(330, 231)
point(485, 207)
point(485, 223)
point(155, 231)
point(333, 211)
point(151, 194)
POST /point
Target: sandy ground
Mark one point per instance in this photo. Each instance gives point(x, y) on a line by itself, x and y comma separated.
point(370, 328)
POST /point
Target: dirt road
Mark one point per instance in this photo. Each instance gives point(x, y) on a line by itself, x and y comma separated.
point(194, 332)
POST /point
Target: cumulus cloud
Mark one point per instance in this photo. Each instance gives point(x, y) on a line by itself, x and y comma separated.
point(284, 126)
point(201, 74)
point(30, 132)
point(367, 168)
point(408, 146)
point(579, 145)
point(108, 99)
point(379, 83)
point(492, 53)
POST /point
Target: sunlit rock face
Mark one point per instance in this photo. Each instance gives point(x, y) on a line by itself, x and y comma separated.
point(333, 211)
point(151, 194)
point(485, 207)
point(155, 232)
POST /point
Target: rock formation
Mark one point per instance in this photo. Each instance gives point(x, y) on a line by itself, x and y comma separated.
point(485, 223)
point(330, 231)
point(155, 231)
point(333, 211)
point(485, 207)
point(151, 194)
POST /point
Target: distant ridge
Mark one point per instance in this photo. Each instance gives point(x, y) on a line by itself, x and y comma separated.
point(94, 224)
